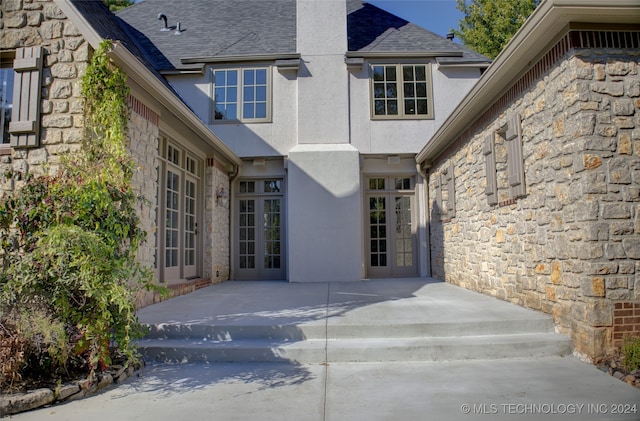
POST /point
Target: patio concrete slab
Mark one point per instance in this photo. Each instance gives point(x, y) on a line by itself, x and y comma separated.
point(553, 388)
point(410, 319)
point(535, 388)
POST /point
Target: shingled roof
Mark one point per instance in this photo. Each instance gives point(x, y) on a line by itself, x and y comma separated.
point(223, 28)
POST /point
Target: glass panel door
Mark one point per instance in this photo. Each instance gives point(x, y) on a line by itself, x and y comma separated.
point(172, 226)
point(259, 244)
point(391, 238)
point(247, 237)
point(404, 236)
point(272, 233)
point(178, 249)
point(378, 230)
point(190, 229)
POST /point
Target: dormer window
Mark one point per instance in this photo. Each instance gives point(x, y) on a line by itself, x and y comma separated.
point(401, 91)
point(241, 95)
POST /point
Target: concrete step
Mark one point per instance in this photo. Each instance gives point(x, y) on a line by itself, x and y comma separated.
point(318, 351)
point(300, 332)
point(373, 321)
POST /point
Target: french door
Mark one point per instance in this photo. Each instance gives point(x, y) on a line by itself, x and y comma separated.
point(177, 257)
point(391, 233)
point(259, 230)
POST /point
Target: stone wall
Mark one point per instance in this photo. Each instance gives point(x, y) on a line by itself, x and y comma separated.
point(571, 246)
point(27, 23)
point(143, 135)
point(216, 247)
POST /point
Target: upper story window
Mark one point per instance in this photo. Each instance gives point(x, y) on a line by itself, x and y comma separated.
point(241, 95)
point(401, 91)
point(6, 96)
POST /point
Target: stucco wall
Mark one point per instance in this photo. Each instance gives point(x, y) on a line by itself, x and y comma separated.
point(571, 246)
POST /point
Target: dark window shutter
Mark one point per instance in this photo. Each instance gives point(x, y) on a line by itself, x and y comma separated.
point(515, 163)
point(438, 188)
point(451, 192)
point(490, 165)
point(25, 117)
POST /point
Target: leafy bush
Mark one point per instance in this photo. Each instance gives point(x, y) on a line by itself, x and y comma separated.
point(67, 249)
point(631, 353)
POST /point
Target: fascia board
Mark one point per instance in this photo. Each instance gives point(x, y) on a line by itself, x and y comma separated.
point(165, 96)
point(528, 44)
point(148, 81)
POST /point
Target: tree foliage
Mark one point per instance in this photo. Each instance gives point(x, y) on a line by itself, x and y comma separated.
point(68, 242)
point(488, 25)
point(115, 5)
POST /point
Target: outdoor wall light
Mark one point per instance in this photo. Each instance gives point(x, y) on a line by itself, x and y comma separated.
point(222, 197)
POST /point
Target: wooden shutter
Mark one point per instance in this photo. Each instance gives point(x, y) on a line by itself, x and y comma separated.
point(515, 163)
point(438, 188)
point(490, 165)
point(451, 192)
point(25, 117)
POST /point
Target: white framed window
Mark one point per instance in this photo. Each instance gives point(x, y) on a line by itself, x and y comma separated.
point(241, 94)
point(401, 91)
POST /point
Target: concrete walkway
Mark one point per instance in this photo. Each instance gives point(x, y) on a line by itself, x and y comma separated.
point(536, 388)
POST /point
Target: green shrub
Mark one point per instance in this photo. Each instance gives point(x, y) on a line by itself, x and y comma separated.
point(32, 342)
point(631, 353)
point(67, 248)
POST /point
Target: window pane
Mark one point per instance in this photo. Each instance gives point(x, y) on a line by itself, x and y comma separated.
point(393, 107)
point(379, 108)
point(261, 110)
point(378, 73)
point(220, 78)
point(6, 100)
point(249, 77)
point(232, 112)
point(232, 77)
point(247, 111)
point(407, 73)
point(272, 186)
point(378, 90)
point(421, 73)
point(408, 90)
point(392, 90)
point(391, 73)
point(409, 106)
point(261, 93)
point(248, 94)
point(421, 90)
point(261, 76)
point(254, 94)
point(423, 107)
point(232, 95)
